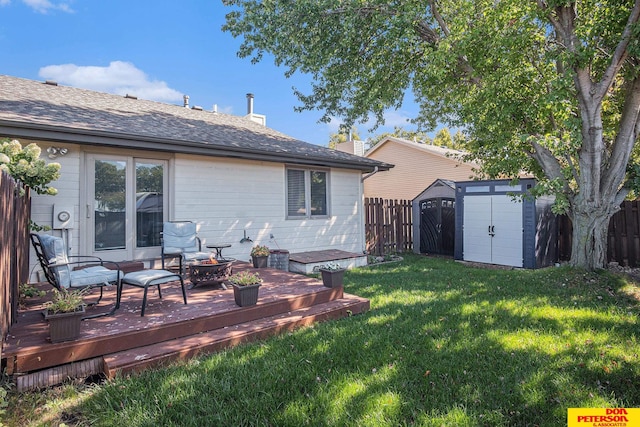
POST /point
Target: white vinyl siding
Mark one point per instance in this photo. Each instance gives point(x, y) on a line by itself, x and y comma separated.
point(227, 198)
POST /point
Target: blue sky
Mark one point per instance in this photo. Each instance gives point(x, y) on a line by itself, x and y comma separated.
point(158, 50)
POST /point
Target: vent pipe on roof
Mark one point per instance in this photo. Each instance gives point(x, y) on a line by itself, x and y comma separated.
point(249, 103)
point(186, 101)
point(51, 82)
point(215, 108)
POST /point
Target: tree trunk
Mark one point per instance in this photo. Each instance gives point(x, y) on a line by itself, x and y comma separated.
point(589, 239)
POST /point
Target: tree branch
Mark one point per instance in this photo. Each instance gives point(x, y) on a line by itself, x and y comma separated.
point(426, 33)
point(620, 54)
point(556, 24)
point(572, 167)
point(549, 163)
point(436, 14)
point(625, 139)
point(364, 10)
point(463, 62)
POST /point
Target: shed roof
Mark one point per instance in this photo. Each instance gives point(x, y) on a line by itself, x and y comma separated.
point(38, 110)
point(438, 188)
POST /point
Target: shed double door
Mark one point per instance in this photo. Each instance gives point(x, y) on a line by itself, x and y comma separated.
point(493, 230)
point(437, 226)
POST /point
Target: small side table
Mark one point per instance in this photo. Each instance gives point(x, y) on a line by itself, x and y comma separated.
point(218, 247)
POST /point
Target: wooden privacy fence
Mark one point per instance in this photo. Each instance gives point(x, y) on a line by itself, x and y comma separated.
point(388, 226)
point(15, 212)
point(623, 238)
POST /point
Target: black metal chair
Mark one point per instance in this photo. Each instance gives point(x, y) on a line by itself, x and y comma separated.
point(52, 256)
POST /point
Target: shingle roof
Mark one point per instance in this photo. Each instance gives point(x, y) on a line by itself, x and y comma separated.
point(434, 149)
point(32, 109)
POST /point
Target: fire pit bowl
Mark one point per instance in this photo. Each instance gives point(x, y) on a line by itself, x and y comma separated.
point(210, 272)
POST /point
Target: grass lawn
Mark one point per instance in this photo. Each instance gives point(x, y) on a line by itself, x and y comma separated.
point(444, 344)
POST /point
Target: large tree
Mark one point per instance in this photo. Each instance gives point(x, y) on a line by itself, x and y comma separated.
point(549, 87)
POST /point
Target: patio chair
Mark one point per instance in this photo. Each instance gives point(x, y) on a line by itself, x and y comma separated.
point(52, 255)
point(180, 240)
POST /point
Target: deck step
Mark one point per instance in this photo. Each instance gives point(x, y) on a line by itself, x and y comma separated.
point(309, 262)
point(141, 358)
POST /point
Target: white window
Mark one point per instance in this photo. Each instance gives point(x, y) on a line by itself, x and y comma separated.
point(307, 193)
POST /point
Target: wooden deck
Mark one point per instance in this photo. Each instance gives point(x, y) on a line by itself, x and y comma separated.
point(170, 330)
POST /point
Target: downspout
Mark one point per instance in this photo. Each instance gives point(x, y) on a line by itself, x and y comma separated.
point(363, 231)
point(370, 174)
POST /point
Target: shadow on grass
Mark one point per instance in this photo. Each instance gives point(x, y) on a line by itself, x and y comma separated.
point(443, 344)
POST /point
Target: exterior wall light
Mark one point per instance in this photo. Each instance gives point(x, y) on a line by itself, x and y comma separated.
point(56, 151)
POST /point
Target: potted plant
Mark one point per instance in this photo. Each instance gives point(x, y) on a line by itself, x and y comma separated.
point(260, 256)
point(332, 274)
point(64, 314)
point(245, 287)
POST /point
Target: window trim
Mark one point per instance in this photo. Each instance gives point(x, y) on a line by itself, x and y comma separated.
point(307, 192)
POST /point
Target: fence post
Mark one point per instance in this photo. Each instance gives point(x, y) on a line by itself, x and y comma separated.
point(399, 229)
point(380, 225)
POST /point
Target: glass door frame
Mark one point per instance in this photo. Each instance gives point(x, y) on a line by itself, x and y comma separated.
point(150, 251)
point(87, 213)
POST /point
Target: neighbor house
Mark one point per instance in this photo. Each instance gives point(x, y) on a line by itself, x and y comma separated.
point(129, 164)
point(416, 167)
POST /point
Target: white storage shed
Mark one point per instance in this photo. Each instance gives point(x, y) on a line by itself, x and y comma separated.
point(494, 227)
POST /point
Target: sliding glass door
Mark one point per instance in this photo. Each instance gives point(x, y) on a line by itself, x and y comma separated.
point(126, 206)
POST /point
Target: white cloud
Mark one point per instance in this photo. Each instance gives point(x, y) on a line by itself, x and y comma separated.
point(119, 78)
point(334, 125)
point(396, 118)
point(5, 2)
point(44, 6)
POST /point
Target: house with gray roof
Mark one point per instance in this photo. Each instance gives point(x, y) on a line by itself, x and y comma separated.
point(128, 165)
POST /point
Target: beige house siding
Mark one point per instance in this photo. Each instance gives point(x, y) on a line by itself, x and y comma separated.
point(415, 169)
